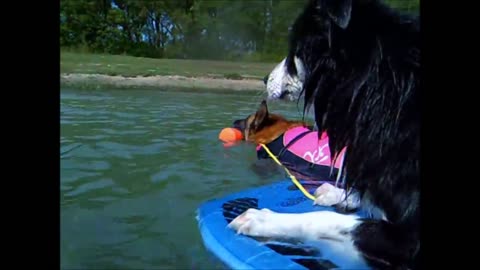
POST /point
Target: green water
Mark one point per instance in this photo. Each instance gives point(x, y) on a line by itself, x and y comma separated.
point(136, 164)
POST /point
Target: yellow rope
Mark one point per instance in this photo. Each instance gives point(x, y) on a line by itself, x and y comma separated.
point(295, 181)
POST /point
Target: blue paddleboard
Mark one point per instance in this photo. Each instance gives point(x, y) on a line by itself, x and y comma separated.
point(244, 252)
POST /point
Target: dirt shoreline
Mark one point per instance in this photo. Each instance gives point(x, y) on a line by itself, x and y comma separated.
point(161, 82)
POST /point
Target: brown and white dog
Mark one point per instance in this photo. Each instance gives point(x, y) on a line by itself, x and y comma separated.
point(300, 149)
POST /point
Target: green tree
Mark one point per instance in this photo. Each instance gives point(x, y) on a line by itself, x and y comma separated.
point(254, 30)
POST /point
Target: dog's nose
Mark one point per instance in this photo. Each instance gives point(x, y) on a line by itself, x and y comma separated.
point(265, 79)
point(284, 94)
point(239, 124)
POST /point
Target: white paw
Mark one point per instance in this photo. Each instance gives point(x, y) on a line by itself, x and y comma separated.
point(328, 195)
point(252, 222)
point(309, 226)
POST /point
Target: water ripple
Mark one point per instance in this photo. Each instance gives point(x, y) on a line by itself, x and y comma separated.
point(135, 167)
point(98, 184)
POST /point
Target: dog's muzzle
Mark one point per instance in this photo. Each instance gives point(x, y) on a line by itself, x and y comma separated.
point(281, 85)
point(240, 125)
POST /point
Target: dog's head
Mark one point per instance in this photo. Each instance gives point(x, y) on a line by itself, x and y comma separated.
point(341, 48)
point(282, 84)
point(311, 40)
point(330, 41)
point(252, 122)
point(263, 126)
point(255, 122)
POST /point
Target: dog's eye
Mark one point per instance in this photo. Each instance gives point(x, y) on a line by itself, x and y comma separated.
point(265, 79)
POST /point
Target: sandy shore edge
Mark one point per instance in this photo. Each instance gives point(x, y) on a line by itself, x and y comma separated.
point(161, 82)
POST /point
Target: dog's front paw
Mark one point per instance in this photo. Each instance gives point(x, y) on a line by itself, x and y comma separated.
point(252, 222)
point(328, 195)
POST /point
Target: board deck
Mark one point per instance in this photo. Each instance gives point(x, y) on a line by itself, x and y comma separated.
point(243, 252)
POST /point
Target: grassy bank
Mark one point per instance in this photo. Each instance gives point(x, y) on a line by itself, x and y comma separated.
point(128, 66)
point(83, 70)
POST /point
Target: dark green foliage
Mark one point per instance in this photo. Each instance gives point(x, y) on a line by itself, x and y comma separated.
point(253, 30)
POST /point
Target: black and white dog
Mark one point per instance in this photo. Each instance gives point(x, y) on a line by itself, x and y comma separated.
point(357, 62)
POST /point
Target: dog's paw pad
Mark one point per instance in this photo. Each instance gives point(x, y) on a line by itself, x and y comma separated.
point(251, 222)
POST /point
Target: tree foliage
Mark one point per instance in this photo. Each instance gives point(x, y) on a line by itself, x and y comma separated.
point(255, 30)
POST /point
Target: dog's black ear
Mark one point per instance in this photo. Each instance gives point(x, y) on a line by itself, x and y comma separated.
point(261, 115)
point(339, 11)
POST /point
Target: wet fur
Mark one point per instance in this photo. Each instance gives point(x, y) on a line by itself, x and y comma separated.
point(264, 127)
point(362, 77)
point(365, 93)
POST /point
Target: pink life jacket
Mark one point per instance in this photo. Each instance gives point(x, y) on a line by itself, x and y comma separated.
point(309, 147)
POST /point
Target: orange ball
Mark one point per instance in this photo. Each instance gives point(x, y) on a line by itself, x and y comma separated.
point(230, 135)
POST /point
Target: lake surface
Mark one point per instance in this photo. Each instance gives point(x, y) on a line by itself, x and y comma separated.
point(135, 165)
